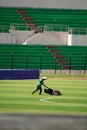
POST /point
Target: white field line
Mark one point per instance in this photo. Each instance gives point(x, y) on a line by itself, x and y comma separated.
point(47, 100)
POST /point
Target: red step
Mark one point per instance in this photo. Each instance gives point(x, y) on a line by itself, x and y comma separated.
point(53, 51)
point(30, 24)
point(66, 67)
point(61, 61)
point(27, 18)
point(58, 56)
point(22, 12)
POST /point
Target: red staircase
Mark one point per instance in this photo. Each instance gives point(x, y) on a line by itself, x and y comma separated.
point(29, 21)
point(58, 57)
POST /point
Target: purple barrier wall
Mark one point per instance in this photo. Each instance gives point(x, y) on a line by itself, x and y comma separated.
point(19, 74)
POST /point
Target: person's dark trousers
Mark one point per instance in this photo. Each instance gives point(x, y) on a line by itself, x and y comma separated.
point(40, 91)
point(38, 88)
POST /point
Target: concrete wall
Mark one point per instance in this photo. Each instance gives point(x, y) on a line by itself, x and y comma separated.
point(80, 40)
point(47, 38)
point(74, 4)
point(5, 38)
point(77, 40)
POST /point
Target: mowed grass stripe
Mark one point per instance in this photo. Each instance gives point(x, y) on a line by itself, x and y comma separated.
point(26, 93)
point(44, 108)
point(52, 103)
point(29, 99)
point(36, 97)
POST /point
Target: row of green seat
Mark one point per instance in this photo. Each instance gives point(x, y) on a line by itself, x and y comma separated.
point(76, 56)
point(39, 57)
point(71, 18)
point(22, 57)
point(8, 17)
point(55, 10)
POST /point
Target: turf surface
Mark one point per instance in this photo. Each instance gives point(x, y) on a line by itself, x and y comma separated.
point(16, 97)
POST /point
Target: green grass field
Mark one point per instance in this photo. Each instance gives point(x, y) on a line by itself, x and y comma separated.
point(16, 97)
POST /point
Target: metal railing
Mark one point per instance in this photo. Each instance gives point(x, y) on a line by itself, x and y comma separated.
point(27, 61)
point(49, 27)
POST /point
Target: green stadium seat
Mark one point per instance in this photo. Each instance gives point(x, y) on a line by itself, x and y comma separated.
point(39, 57)
point(71, 18)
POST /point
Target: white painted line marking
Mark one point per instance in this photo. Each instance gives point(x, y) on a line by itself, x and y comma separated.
point(46, 100)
